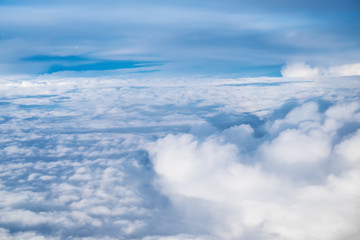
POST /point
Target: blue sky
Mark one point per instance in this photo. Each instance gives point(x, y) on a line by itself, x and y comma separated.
point(243, 38)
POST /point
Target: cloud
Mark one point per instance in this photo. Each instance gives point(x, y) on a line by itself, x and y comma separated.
point(246, 39)
point(165, 158)
point(180, 237)
point(348, 150)
point(287, 148)
point(4, 233)
point(299, 70)
point(345, 70)
point(303, 70)
point(93, 151)
point(286, 189)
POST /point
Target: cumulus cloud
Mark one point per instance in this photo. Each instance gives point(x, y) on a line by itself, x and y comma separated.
point(303, 70)
point(106, 148)
point(123, 158)
point(287, 190)
point(299, 70)
point(348, 149)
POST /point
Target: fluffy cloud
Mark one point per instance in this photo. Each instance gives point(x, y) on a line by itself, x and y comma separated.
point(348, 150)
point(286, 189)
point(299, 70)
point(123, 158)
point(303, 70)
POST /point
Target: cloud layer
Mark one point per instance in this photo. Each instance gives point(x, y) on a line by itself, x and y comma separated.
point(151, 158)
point(100, 140)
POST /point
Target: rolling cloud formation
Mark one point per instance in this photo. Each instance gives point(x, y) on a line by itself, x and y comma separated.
point(112, 158)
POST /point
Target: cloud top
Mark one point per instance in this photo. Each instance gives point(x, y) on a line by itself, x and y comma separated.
point(290, 187)
point(303, 70)
point(162, 158)
point(299, 70)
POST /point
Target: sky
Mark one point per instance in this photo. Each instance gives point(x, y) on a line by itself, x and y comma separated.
point(231, 38)
point(179, 120)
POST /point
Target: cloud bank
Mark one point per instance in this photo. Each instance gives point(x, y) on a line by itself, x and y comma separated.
point(300, 182)
point(159, 158)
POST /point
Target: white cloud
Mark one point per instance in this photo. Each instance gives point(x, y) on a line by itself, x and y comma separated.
point(295, 147)
point(345, 70)
point(228, 160)
point(344, 111)
point(303, 70)
point(348, 150)
point(306, 115)
point(287, 191)
point(299, 70)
